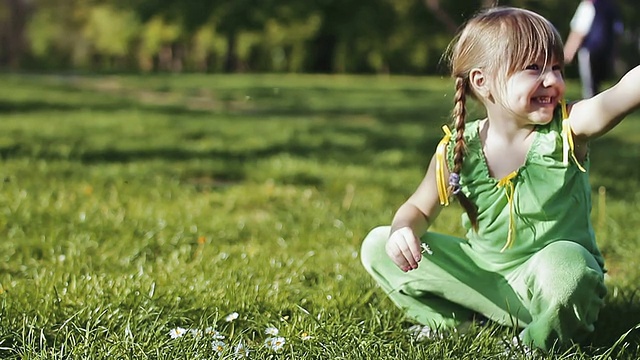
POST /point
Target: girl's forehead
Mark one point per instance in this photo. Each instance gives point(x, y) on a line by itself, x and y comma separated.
point(544, 58)
point(536, 58)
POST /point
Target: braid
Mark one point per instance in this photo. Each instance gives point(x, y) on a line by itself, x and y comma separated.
point(459, 116)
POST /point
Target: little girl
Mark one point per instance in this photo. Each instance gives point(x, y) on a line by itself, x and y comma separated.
point(521, 174)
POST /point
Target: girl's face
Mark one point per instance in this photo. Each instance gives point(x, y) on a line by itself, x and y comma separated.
point(533, 93)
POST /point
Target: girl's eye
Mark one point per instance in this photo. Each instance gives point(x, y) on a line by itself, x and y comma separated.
point(556, 68)
point(532, 67)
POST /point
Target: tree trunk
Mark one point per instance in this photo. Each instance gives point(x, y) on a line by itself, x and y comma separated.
point(15, 28)
point(324, 50)
point(231, 58)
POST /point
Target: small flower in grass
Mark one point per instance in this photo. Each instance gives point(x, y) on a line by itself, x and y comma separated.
point(275, 343)
point(213, 333)
point(218, 346)
point(229, 318)
point(271, 331)
point(305, 336)
point(177, 332)
point(196, 332)
point(241, 351)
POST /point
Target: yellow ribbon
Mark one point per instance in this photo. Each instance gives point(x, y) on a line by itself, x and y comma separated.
point(567, 139)
point(509, 190)
point(443, 191)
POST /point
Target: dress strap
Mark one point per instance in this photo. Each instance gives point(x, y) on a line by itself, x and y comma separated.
point(510, 192)
point(568, 148)
point(443, 191)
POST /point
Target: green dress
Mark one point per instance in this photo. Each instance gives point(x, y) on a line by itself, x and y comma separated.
point(548, 280)
point(551, 200)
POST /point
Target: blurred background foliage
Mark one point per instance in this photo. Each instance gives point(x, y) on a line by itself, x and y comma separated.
point(313, 36)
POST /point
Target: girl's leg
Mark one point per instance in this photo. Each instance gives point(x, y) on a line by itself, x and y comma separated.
point(447, 288)
point(586, 73)
point(563, 288)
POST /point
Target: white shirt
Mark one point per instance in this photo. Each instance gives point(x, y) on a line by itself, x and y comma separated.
point(583, 18)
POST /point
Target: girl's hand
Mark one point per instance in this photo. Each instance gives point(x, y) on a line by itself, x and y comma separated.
point(403, 247)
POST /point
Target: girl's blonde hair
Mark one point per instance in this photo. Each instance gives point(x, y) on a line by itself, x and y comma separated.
point(501, 41)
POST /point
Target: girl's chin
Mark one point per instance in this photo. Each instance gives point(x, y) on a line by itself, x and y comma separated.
point(541, 117)
point(541, 120)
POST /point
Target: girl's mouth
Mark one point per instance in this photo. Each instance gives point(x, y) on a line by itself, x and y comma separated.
point(545, 100)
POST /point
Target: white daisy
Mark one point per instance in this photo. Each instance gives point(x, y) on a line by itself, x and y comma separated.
point(241, 351)
point(304, 336)
point(275, 343)
point(177, 332)
point(229, 318)
point(271, 331)
point(425, 249)
point(218, 346)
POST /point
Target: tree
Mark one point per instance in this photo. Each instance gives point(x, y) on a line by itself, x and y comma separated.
point(13, 21)
point(111, 32)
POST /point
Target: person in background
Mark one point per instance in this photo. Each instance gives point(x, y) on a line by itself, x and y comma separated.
point(595, 27)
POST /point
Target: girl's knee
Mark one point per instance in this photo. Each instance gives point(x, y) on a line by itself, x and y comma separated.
point(373, 245)
point(565, 260)
point(568, 276)
point(567, 291)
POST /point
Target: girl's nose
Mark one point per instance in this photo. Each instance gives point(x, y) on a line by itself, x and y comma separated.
point(552, 78)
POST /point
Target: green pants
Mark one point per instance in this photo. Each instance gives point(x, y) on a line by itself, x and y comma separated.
point(555, 294)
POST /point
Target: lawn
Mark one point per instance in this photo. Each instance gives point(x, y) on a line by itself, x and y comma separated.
point(182, 216)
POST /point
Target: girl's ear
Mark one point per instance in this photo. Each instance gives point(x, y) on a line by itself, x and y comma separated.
point(479, 83)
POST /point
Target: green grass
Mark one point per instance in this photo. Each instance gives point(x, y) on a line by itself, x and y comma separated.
point(133, 205)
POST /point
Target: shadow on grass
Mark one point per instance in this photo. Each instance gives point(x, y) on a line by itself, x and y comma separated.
point(610, 157)
point(427, 110)
point(391, 111)
point(617, 323)
point(33, 106)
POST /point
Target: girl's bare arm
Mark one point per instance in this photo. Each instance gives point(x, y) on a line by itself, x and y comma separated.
point(595, 116)
point(411, 220)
